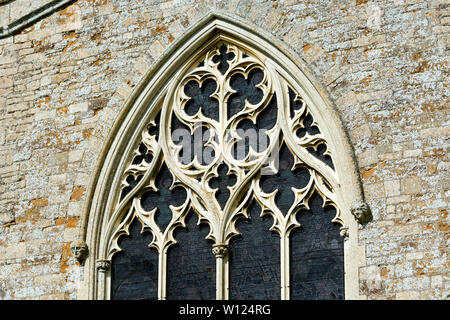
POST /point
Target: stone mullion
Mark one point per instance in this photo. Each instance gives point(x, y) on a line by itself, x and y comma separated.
point(162, 275)
point(103, 267)
point(221, 254)
point(284, 267)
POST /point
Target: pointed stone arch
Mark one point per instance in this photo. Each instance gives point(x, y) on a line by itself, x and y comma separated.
point(107, 215)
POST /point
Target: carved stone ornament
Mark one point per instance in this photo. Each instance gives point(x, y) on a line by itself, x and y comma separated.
point(103, 265)
point(220, 250)
point(249, 120)
point(344, 233)
point(361, 211)
point(230, 129)
point(79, 250)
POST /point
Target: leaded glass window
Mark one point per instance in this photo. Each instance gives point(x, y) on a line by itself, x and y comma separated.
point(230, 191)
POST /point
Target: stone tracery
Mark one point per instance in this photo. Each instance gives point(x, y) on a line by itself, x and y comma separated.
point(242, 133)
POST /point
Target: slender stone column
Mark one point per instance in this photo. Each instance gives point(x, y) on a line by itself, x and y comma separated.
point(103, 272)
point(221, 252)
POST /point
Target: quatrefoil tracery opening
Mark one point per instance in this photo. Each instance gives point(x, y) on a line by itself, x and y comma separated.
point(200, 98)
point(234, 89)
point(222, 59)
point(228, 141)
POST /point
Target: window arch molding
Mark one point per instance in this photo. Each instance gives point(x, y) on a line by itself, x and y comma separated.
point(140, 108)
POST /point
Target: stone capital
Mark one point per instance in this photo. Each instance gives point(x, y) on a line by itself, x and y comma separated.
point(344, 233)
point(220, 250)
point(103, 265)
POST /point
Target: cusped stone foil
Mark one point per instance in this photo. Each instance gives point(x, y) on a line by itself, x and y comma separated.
point(230, 131)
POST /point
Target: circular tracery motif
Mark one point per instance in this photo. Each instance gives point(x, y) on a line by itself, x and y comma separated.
point(235, 132)
point(224, 133)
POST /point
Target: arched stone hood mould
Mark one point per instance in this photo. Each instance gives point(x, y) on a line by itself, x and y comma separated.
point(129, 121)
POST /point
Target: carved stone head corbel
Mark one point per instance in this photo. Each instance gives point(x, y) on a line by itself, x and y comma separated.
point(79, 251)
point(361, 211)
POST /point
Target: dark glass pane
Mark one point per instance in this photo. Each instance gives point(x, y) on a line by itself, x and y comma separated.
point(192, 146)
point(163, 198)
point(306, 120)
point(254, 135)
point(246, 91)
point(191, 264)
point(307, 127)
point(201, 98)
point(317, 255)
point(294, 105)
point(268, 116)
point(144, 155)
point(319, 154)
point(284, 179)
point(255, 259)
point(221, 183)
point(134, 270)
point(153, 130)
point(132, 182)
point(222, 58)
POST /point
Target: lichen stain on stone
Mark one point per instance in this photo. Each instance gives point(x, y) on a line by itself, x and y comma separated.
point(97, 3)
point(367, 173)
point(69, 222)
point(87, 133)
point(43, 101)
point(62, 110)
point(422, 67)
point(77, 193)
point(102, 59)
point(66, 253)
point(444, 227)
point(32, 214)
point(96, 111)
point(365, 82)
point(52, 140)
point(69, 34)
point(40, 46)
point(384, 272)
point(68, 14)
point(28, 29)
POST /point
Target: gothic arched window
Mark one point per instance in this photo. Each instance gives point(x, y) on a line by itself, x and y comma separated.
point(229, 186)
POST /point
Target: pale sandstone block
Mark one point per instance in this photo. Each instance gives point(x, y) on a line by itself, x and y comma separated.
point(45, 114)
point(437, 281)
point(374, 191)
point(156, 49)
point(79, 107)
point(6, 83)
point(58, 179)
point(411, 185)
point(392, 188)
point(75, 155)
point(407, 295)
point(367, 158)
